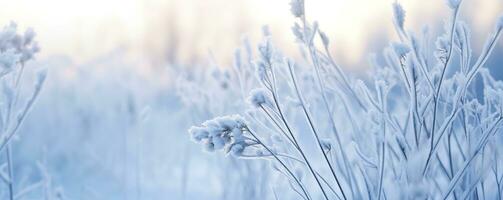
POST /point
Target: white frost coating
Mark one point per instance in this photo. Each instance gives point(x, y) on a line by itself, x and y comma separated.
point(221, 133)
point(259, 97)
point(9, 59)
point(400, 49)
point(198, 133)
point(418, 123)
point(398, 15)
point(297, 8)
point(13, 43)
point(15, 50)
point(237, 149)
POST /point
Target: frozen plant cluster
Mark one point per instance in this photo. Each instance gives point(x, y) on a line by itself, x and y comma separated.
point(16, 48)
point(426, 124)
point(15, 51)
point(221, 132)
point(209, 92)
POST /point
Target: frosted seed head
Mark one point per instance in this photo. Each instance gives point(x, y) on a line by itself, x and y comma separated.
point(24, 45)
point(240, 122)
point(198, 133)
point(212, 127)
point(226, 123)
point(227, 139)
point(218, 125)
point(16, 42)
point(238, 139)
point(297, 8)
point(218, 142)
point(214, 131)
point(298, 32)
point(259, 97)
point(324, 38)
point(7, 34)
point(8, 59)
point(29, 35)
point(28, 52)
point(220, 133)
point(237, 149)
point(236, 132)
point(398, 15)
point(400, 49)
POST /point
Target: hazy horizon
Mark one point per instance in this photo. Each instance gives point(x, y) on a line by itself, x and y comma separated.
point(193, 30)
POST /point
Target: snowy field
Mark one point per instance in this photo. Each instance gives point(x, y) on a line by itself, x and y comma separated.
point(419, 118)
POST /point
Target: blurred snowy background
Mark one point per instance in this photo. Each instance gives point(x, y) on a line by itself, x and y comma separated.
point(110, 122)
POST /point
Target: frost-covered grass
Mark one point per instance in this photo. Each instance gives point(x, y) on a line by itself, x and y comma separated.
point(15, 51)
point(424, 124)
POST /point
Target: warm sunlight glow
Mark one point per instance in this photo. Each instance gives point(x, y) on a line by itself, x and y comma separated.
point(91, 21)
point(88, 28)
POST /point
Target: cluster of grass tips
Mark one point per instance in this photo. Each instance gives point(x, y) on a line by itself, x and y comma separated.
point(426, 125)
point(15, 51)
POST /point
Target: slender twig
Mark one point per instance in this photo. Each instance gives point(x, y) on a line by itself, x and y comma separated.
point(311, 125)
point(439, 87)
point(279, 161)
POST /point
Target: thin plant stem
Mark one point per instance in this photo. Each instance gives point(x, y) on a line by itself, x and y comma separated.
point(279, 161)
point(311, 125)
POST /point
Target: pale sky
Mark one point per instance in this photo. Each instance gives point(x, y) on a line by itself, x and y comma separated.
point(86, 29)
